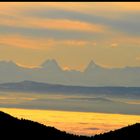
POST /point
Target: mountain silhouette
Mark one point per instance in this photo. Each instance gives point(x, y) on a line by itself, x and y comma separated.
point(13, 128)
point(50, 72)
point(4, 64)
point(125, 133)
point(88, 99)
point(51, 65)
point(58, 88)
point(91, 67)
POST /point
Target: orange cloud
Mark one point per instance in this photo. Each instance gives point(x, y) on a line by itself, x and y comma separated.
point(23, 42)
point(130, 6)
point(58, 24)
point(19, 41)
point(66, 68)
point(97, 8)
point(79, 43)
point(103, 9)
point(138, 58)
point(74, 5)
point(114, 45)
point(131, 40)
point(15, 10)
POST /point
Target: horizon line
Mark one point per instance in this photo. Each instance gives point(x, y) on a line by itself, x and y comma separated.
point(66, 68)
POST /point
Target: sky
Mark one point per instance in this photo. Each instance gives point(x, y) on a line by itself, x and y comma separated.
point(73, 33)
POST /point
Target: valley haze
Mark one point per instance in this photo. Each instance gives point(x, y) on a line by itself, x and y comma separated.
point(36, 95)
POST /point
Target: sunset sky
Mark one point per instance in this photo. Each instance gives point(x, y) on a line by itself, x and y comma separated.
point(72, 33)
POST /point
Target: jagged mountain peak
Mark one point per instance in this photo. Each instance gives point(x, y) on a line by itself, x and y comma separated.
point(51, 64)
point(91, 66)
point(92, 63)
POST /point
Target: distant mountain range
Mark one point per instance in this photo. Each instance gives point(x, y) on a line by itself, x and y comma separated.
point(13, 128)
point(88, 99)
point(51, 72)
point(31, 86)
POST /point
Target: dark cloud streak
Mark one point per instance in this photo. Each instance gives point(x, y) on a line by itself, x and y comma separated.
point(49, 33)
point(129, 22)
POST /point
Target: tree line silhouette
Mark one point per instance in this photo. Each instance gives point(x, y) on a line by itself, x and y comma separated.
point(14, 128)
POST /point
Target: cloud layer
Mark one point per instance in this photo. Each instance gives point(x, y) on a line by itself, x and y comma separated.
point(100, 28)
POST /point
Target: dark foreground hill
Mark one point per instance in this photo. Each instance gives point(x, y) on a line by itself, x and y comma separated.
point(126, 133)
point(13, 128)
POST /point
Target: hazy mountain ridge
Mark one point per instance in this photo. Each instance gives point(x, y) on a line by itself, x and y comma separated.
point(51, 72)
point(89, 99)
point(45, 87)
point(29, 129)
